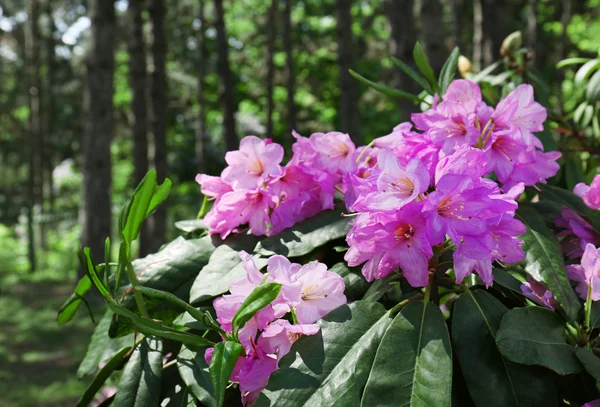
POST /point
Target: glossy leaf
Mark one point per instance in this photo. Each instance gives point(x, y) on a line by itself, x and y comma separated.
point(222, 362)
point(590, 362)
point(163, 295)
point(413, 364)
point(140, 383)
point(423, 65)
point(593, 89)
point(492, 380)
point(194, 371)
point(535, 336)
point(69, 308)
point(355, 285)
point(505, 279)
point(101, 377)
point(595, 317)
point(586, 70)
point(190, 226)
point(544, 259)
point(332, 367)
point(415, 76)
point(306, 236)
point(561, 197)
point(385, 90)
point(259, 298)
point(449, 70)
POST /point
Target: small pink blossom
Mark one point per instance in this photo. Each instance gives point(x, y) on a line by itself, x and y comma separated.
point(589, 193)
point(577, 234)
point(587, 273)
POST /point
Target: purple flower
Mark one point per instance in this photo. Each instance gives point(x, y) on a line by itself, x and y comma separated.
point(538, 293)
point(251, 165)
point(593, 403)
point(465, 160)
point(587, 273)
point(577, 234)
point(590, 194)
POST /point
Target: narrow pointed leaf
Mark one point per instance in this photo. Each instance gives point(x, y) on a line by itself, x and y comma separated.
point(586, 70)
point(385, 90)
point(449, 70)
point(222, 362)
point(69, 308)
point(259, 298)
point(593, 89)
point(535, 336)
point(415, 76)
point(571, 61)
point(424, 67)
point(413, 364)
point(544, 259)
point(492, 380)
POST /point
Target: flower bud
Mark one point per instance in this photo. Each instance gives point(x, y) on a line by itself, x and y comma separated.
point(464, 66)
point(511, 44)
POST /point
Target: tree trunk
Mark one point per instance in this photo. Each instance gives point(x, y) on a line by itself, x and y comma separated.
point(50, 105)
point(288, 44)
point(403, 38)
point(159, 114)
point(456, 23)
point(139, 83)
point(98, 131)
point(431, 16)
point(350, 114)
point(478, 34)
point(226, 89)
point(201, 68)
point(271, 29)
point(532, 33)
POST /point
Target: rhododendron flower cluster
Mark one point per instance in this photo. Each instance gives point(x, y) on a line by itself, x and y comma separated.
point(577, 233)
point(256, 190)
point(428, 190)
point(309, 292)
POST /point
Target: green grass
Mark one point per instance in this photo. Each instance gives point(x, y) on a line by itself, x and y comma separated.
point(39, 359)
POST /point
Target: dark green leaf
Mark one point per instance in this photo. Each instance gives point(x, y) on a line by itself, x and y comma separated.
point(355, 284)
point(107, 260)
point(141, 379)
point(572, 168)
point(194, 371)
point(222, 362)
point(259, 298)
point(413, 74)
point(102, 348)
point(505, 279)
point(413, 364)
point(161, 193)
point(562, 197)
point(163, 295)
point(449, 70)
point(101, 377)
point(306, 236)
point(590, 361)
point(385, 90)
point(69, 308)
point(332, 367)
point(424, 67)
point(535, 336)
point(492, 380)
point(593, 89)
point(544, 260)
point(595, 317)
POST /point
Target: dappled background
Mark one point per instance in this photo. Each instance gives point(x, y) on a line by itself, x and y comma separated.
point(94, 93)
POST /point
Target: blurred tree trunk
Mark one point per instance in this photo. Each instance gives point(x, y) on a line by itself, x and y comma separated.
point(431, 19)
point(226, 89)
point(456, 15)
point(271, 30)
point(50, 104)
point(139, 83)
point(490, 26)
point(532, 34)
point(159, 114)
point(288, 45)
point(201, 68)
point(98, 103)
point(350, 114)
point(565, 17)
point(403, 38)
point(478, 34)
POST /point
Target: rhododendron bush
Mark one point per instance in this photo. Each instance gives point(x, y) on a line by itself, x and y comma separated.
point(441, 264)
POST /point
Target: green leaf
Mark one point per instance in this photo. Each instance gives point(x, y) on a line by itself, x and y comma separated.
point(140, 383)
point(535, 336)
point(306, 236)
point(492, 380)
point(101, 377)
point(480, 76)
point(191, 226)
point(355, 285)
point(449, 70)
point(595, 317)
point(505, 279)
point(90, 268)
point(571, 61)
point(572, 168)
point(585, 71)
point(544, 259)
point(332, 367)
point(562, 197)
point(102, 348)
point(413, 364)
point(163, 295)
point(222, 362)
point(590, 361)
point(69, 308)
point(413, 74)
point(194, 371)
point(424, 67)
point(385, 90)
point(259, 298)
point(593, 89)
point(223, 267)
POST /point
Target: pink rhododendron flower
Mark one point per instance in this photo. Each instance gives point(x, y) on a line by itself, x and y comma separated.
point(253, 163)
point(587, 273)
point(589, 193)
point(593, 403)
point(538, 293)
point(577, 234)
